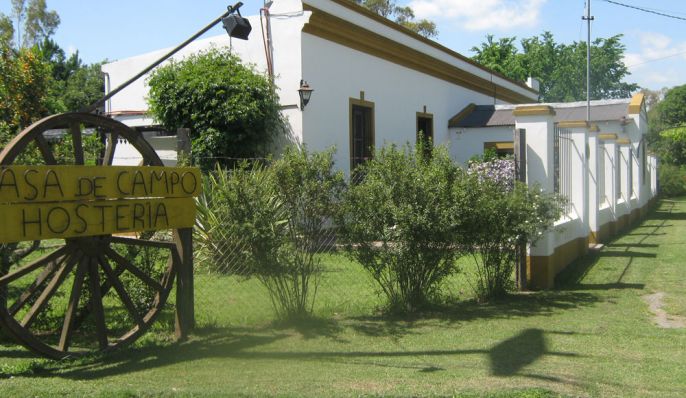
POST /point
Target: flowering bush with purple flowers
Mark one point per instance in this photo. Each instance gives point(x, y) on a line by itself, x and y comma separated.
point(501, 171)
point(505, 214)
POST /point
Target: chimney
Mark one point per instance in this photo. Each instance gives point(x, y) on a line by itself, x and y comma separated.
point(533, 83)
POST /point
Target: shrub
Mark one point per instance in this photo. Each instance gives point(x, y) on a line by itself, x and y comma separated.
point(232, 111)
point(268, 221)
point(672, 180)
point(499, 220)
point(402, 222)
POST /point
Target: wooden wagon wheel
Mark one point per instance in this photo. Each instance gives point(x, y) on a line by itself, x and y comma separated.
point(77, 297)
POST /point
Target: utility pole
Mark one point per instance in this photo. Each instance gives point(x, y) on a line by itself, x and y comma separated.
point(588, 18)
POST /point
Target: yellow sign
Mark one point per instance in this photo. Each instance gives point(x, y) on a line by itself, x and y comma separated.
point(31, 184)
point(44, 202)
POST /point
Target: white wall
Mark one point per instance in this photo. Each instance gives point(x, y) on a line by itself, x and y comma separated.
point(165, 146)
point(467, 142)
point(445, 55)
point(338, 73)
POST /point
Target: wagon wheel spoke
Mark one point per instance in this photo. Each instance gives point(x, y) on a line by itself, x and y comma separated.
point(49, 291)
point(76, 137)
point(69, 317)
point(96, 303)
point(31, 291)
point(27, 269)
point(123, 295)
point(126, 264)
point(105, 287)
point(112, 139)
point(45, 150)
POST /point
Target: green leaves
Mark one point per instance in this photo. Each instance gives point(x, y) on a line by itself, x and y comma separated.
point(269, 223)
point(411, 217)
point(401, 15)
point(232, 111)
point(560, 68)
point(401, 222)
point(668, 126)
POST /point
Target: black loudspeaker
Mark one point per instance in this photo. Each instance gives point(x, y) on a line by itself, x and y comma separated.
point(237, 26)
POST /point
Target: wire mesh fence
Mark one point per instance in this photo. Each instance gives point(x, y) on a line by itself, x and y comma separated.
point(227, 294)
point(281, 253)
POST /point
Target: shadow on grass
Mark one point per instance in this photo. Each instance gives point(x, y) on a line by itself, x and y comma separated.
point(668, 215)
point(512, 306)
point(512, 355)
point(572, 277)
point(312, 327)
point(507, 358)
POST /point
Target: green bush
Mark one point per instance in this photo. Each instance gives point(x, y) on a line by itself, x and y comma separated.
point(498, 221)
point(402, 222)
point(267, 222)
point(672, 180)
point(232, 111)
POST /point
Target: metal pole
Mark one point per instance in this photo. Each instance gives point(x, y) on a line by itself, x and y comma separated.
point(588, 18)
point(96, 104)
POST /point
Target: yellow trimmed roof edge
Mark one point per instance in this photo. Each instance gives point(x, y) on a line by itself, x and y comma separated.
point(534, 110)
point(455, 120)
point(636, 104)
point(607, 136)
point(573, 124)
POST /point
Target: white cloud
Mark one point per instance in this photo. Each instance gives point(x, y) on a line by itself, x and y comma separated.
point(479, 15)
point(657, 62)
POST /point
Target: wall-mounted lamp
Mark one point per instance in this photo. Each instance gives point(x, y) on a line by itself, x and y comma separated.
point(305, 93)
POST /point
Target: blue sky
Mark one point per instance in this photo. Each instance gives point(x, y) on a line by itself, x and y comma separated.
point(656, 46)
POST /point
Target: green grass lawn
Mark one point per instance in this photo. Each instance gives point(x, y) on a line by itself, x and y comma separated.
point(594, 336)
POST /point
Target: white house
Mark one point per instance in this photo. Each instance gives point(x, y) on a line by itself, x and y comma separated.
point(374, 81)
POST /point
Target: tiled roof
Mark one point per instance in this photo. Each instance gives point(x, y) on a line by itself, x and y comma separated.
point(501, 115)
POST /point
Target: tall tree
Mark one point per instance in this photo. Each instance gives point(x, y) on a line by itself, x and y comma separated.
point(502, 56)
point(34, 22)
point(402, 15)
point(561, 68)
point(6, 30)
point(668, 126)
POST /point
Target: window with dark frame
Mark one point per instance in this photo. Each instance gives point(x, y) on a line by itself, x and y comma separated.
point(361, 134)
point(425, 131)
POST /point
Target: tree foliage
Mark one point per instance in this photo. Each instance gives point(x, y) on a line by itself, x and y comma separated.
point(560, 68)
point(271, 221)
point(34, 22)
point(402, 15)
point(74, 84)
point(24, 85)
point(668, 126)
point(232, 111)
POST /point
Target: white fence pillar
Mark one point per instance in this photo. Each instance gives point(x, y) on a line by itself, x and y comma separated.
point(625, 165)
point(538, 121)
point(594, 181)
point(578, 174)
point(611, 163)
